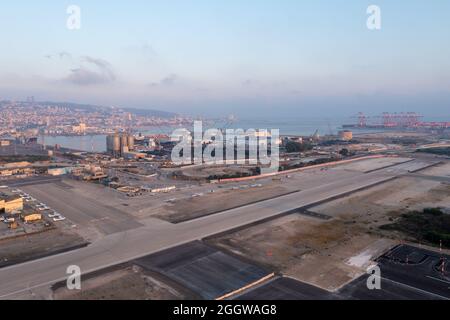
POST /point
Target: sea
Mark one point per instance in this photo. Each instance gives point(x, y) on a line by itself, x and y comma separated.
point(295, 127)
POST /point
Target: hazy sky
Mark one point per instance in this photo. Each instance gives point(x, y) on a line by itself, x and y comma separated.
point(251, 57)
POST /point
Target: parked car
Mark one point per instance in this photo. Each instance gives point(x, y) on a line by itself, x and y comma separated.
point(53, 215)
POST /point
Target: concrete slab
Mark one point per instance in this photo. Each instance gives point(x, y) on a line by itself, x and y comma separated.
point(204, 270)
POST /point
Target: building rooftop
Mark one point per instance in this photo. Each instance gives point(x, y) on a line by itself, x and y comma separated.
point(8, 197)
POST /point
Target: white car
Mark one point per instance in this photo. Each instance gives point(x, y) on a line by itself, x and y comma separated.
point(54, 215)
point(59, 218)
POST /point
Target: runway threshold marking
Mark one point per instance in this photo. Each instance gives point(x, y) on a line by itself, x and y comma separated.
point(437, 279)
point(416, 289)
point(100, 220)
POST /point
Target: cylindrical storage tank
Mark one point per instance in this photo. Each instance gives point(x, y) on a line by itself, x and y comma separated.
point(346, 135)
point(110, 144)
point(130, 142)
point(124, 141)
point(116, 143)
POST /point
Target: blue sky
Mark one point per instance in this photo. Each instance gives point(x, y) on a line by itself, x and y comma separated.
point(242, 56)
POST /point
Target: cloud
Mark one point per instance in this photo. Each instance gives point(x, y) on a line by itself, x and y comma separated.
point(143, 52)
point(168, 81)
point(249, 83)
point(90, 72)
point(61, 55)
point(64, 54)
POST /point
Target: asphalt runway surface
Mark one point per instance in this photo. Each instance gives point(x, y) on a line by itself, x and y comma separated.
point(21, 281)
point(286, 289)
point(207, 271)
point(417, 268)
point(357, 290)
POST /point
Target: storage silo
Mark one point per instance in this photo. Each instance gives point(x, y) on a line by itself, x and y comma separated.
point(110, 144)
point(116, 144)
point(124, 141)
point(131, 142)
point(346, 135)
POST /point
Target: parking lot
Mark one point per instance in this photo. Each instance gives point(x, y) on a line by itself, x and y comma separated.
point(27, 219)
point(82, 211)
point(41, 207)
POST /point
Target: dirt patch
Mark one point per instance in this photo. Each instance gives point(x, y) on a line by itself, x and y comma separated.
point(203, 173)
point(26, 248)
point(312, 251)
point(125, 283)
point(188, 209)
point(390, 199)
point(439, 170)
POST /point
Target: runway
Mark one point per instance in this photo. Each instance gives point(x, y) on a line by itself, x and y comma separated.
point(20, 281)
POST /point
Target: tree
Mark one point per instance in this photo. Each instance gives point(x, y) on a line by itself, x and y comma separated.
point(344, 152)
point(292, 146)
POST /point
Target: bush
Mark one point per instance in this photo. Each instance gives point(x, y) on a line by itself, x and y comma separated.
point(293, 146)
point(431, 225)
point(433, 211)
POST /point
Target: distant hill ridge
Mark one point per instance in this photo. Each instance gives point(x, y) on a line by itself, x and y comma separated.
point(91, 107)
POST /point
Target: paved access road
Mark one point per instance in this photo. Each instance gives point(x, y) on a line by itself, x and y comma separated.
point(37, 180)
point(21, 280)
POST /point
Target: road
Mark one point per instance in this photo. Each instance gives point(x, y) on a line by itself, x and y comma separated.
point(21, 280)
point(37, 180)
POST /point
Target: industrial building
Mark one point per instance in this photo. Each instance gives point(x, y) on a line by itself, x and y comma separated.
point(119, 144)
point(17, 168)
point(10, 203)
point(346, 135)
point(409, 120)
point(59, 171)
point(30, 218)
point(5, 143)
